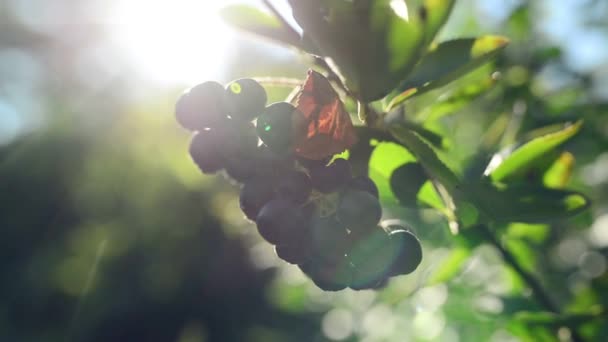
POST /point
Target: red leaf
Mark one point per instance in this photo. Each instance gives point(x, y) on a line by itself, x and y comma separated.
point(322, 126)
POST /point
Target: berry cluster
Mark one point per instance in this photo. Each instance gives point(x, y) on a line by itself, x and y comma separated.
point(315, 212)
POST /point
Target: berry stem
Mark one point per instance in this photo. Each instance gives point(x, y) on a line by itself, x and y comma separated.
point(369, 116)
point(360, 155)
point(541, 295)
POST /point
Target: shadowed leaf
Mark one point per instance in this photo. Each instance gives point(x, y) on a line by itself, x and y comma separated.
point(446, 62)
point(525, 203)
point(372, 45)
point(437, 12)
point(251, 19)
point(425, 155)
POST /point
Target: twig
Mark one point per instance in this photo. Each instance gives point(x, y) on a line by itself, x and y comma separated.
point(362, 111)
point(279, 81)
point(538, 290)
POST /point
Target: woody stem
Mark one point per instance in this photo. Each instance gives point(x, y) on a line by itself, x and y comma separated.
point(362, 112)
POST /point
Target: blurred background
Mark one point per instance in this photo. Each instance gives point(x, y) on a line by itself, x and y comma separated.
point(108, 231)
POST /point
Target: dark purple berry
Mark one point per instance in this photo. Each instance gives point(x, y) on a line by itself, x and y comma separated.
point(294, 254)
point(329, 276)
point(201, 107)
point(204, 151)
point(393, 225)
point(294, 186)
point(363, 183)
point(281, 222)
point(381, 284)
point(409, 251)
point(240, 139)
point(372, 256)
point(270, 164)
point(274, 127)
point(245, 99)
point(329, 238)
point(240, 170)
point(406, 182)
point(239, 150)
point(254, 195)
point(358, 210)
point(363, 281)
point(311, 163)
point(332, 177)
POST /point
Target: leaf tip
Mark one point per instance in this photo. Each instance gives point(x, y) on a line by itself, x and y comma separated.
point(488, 44)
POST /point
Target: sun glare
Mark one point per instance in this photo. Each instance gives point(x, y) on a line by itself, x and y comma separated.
point(172, 41)
point(400, 8)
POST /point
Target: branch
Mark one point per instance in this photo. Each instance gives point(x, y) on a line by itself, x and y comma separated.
point(540, 294)
point(280, 81)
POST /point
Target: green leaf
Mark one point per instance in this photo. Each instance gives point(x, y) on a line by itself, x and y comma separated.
point(447, 100)
point(252, 19)
point(559, 173)
point(533, 171)
point(433, 138)
point(508, 163)
point(535, 233)
point(524, 203)
point(468, 214)
point(448, 61)
point(437, 12)
point(401, 98)
point(399, 115)
point(525, 333)
point(428, 195)
point(309, 45)
point(488, 143)
point(553, 170)
point(371, 45)
point(425, 155)
point(523, 253)
point(434, 167)
point(451, 266)
point(385, 158)
point(461, 96)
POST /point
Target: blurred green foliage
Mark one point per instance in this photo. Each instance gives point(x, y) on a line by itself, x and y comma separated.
point(108, 232)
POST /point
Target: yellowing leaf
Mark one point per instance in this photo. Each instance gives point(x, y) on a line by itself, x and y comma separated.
point(504, 165)
point(448, 61)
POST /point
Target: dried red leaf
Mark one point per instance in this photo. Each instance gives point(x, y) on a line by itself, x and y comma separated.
point(322, 125)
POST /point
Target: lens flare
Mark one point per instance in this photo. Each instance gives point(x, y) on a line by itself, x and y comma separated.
point(171, 41)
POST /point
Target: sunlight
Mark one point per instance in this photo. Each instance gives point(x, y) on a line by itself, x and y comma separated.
point(400, 9)
point(172, 41)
